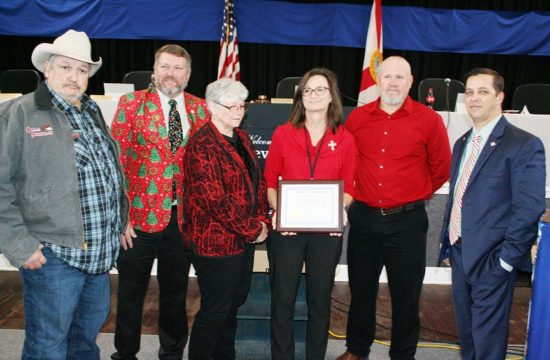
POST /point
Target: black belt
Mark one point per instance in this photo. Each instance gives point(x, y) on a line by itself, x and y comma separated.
point(399, 209)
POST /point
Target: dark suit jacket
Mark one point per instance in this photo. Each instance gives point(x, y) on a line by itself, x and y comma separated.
point(503, 201)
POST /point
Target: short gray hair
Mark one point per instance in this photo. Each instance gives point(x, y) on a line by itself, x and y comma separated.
point(226, 89)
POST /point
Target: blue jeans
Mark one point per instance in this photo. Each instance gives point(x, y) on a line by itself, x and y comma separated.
point(64, 311)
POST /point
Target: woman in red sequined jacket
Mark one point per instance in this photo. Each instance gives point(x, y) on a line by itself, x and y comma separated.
point(225, 213)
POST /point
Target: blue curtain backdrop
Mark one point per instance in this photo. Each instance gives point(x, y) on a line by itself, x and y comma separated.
point(287, 23)
point(287, 38)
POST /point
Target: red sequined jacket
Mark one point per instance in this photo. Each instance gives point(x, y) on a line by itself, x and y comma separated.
point(221, 209)
point(149, 165)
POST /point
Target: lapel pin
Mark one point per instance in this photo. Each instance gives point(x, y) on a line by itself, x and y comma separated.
point(493, 143)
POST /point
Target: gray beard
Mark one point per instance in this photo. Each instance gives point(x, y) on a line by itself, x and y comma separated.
point(392, 101)
point(171, 92)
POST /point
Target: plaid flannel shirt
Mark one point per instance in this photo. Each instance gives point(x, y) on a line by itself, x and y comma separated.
point(99, 190)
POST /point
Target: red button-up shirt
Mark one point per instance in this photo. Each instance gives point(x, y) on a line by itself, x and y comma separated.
point(403, 157)
point(288, 157)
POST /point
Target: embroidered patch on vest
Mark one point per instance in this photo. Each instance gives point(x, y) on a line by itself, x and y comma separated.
point(44, 130)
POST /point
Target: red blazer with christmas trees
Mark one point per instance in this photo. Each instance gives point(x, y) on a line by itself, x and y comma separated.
point(150, 167)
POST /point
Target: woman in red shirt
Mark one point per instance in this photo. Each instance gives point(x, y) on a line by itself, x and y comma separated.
point(312, 145)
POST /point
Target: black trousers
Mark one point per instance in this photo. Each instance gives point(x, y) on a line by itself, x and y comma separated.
point(224, 283)
point(287, 255)
point(398, 242)
point(134, 269)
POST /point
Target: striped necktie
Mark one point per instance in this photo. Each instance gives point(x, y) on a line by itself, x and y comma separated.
point(456, 211)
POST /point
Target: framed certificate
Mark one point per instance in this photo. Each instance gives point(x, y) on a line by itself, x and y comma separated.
point(310, 206)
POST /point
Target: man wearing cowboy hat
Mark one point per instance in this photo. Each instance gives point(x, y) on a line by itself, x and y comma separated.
point(62, 202)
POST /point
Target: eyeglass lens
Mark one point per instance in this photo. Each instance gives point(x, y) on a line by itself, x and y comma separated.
point(319, 91)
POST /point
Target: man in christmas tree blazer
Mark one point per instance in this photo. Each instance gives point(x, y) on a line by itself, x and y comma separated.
point(152, 127)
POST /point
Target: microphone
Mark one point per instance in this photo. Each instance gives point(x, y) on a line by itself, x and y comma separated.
point(352, 99)
point(447, 102)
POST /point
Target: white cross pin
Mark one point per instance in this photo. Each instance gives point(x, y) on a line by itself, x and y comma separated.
point(332, 145)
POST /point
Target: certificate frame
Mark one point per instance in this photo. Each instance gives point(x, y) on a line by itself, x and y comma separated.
point(311, 206)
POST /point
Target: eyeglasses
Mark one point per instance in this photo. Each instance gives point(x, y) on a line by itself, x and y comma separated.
point(319, 91)
point(234, 108)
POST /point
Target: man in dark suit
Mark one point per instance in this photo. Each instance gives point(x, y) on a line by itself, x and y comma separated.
point(496, 197)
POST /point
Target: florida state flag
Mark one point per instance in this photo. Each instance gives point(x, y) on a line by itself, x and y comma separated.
point(368, 90)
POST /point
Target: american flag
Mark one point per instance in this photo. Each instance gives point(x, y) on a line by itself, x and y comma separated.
point(228, 64)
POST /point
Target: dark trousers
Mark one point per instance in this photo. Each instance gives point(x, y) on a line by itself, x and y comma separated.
point(224, 283)
point(482, 308)
point(287, 255)
point(134, 269)
point(398, 242)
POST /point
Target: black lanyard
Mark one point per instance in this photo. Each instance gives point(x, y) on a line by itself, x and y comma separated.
point(312, 166)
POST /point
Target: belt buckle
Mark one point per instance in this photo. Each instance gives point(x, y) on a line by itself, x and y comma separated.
point(384, 213)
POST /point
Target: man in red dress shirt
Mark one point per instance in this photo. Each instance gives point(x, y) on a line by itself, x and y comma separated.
point(404, 157)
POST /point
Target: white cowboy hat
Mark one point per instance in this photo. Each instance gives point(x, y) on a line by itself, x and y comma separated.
point(73, 44)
